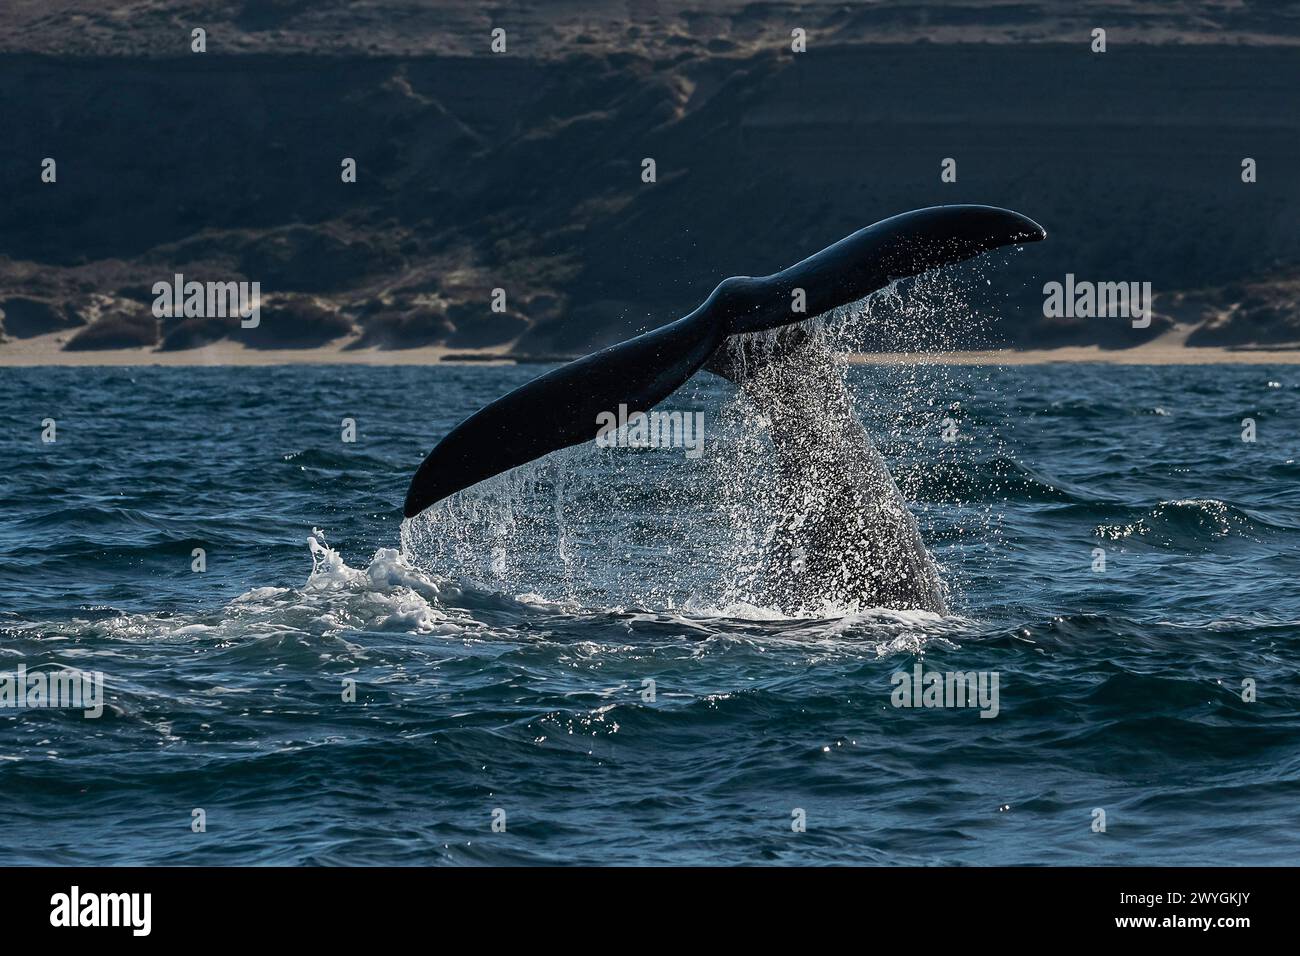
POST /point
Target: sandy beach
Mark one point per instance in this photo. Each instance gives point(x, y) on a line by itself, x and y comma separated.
point(47, 350)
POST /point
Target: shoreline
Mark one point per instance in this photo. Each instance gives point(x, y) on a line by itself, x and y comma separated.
point(46, 351)
point(253, 358)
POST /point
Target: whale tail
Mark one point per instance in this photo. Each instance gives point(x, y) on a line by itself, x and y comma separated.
point(869, 259)
point(560, 408)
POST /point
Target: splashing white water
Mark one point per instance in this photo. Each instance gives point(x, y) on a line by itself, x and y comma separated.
point(387, 594)
point(650, 529)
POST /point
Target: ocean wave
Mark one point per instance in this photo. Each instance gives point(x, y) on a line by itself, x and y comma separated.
point(993, 479)
point(1188, 523)
point(323, 459)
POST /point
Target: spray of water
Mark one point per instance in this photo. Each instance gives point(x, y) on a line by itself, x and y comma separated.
point(792, 510)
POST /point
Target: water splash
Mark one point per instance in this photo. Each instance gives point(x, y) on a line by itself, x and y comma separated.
point(805, 528)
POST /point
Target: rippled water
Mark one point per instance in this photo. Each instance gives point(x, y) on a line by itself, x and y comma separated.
point(501, 646)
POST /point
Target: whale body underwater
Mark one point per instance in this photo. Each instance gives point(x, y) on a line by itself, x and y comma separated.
point(858, 545)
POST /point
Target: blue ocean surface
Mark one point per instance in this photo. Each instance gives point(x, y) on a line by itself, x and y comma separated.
point(573, 651)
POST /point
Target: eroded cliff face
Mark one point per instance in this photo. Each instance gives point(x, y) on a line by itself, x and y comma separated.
point(657, 29)
point(525, 171)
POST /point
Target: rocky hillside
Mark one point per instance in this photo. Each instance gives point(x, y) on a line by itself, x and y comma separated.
point(524, 170)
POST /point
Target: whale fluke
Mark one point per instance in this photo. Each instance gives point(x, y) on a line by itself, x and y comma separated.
point(560, 408)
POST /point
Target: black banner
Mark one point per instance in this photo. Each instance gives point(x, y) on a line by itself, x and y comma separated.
point(358, 906)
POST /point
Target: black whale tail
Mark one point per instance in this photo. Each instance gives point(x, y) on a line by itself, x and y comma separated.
point(869, 259)
point(560, 408)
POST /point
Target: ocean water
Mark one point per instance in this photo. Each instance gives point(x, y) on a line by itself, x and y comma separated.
point(505, 646)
